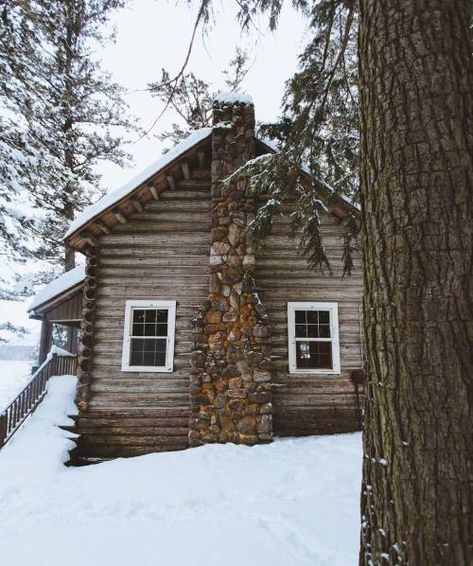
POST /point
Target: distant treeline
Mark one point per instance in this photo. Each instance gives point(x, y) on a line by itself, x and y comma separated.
point(17, 352)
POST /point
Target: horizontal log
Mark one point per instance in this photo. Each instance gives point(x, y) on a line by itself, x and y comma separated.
point(107, 451)
point(98, 432)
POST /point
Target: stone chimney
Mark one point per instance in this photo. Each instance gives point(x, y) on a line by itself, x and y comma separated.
point(230, 364)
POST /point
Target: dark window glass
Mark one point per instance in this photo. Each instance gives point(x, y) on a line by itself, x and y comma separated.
point(314, 355)
point(148, 352)
point(162, 316)
point(312, 324)
point(301, 317)
point(324, 317)
point(161, 330)
point(149, 337)
point(150, 315)
point(138, 329)
point(301, 330)
point(313, 317)
point(159, 358)
point(138, 315)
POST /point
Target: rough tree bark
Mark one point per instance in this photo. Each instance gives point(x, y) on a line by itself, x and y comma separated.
point(416, 88)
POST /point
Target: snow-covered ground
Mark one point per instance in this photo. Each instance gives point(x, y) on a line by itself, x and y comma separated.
point(290, 503)
point(14, 376)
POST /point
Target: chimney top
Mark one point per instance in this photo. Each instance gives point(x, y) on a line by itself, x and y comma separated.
point(231, 98)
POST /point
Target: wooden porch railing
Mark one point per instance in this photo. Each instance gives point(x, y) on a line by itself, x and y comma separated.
point(27, 400)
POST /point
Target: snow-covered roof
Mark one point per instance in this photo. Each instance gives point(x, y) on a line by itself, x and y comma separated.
point(117, 195)
point(233, 98)
point(58, 286)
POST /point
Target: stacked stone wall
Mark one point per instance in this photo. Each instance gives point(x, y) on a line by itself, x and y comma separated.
point(230, 366)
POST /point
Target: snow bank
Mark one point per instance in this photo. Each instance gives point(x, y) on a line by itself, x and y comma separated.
point(115, 196)
point(60, 285)
point(290, 503)
point(233, 98)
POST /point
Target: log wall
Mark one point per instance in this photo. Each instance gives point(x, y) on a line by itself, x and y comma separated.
point(311, 404)
point(161, 253)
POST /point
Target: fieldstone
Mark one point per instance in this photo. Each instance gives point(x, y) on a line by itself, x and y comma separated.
point(254, 357)
point(219, 248)
point(246, 425)
point(214, 285)
point(266, 436)
point(239, 218)
point(267, 409)
point(235, 382)
point(213, 316)
point(230, 371)
point(219, 233)
point(229, 316)
point(234, 334)
point(260, 331)
point(215, 341)
point(236, 406)
point(261, 376)
point(234, 235)
point(264, 423)
point(259, 397)
point(210, 437)
point(236, 393)
point(219, 401)
point(238, 288)
point(217, 259)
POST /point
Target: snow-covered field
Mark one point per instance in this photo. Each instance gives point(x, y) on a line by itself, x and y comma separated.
point(290, 503)
point(14, 376)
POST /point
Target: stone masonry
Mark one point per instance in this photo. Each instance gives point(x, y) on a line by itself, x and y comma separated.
point(230, 365)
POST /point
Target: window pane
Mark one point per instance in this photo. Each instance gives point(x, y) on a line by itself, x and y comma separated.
point(148, 352)
point(324, 331)
point(150, 329)
point(313, 331)
point(162, 315)
point(159, 358)
point(314, 355)
point(300, 317)
point(148, 359)
point(161, 330)
point(324, 317)
point(138, 329)
point(138, 315)
point(312, 324)
point(312, 317)
point(301, 331)
point(136, 352)
point(150, 315)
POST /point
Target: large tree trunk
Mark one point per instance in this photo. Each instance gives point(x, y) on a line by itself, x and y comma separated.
point(416, 88)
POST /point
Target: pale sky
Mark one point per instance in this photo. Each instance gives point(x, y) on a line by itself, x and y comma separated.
point(152, 34)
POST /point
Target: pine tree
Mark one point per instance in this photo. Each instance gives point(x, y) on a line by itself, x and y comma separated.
point(318, 129)
point(61, 115)
point(416, 110)
point(191, 98)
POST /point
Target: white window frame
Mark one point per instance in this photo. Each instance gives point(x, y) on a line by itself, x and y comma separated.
point(334, 339)
point(170, 306)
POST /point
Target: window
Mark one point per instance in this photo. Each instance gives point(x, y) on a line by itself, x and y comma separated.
point(313, 338)
point(148, 341)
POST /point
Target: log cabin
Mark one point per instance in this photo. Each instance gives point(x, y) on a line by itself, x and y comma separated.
point(185, 335)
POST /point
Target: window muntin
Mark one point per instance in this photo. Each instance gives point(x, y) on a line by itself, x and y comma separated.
point(313, 338)
point(148, 343)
